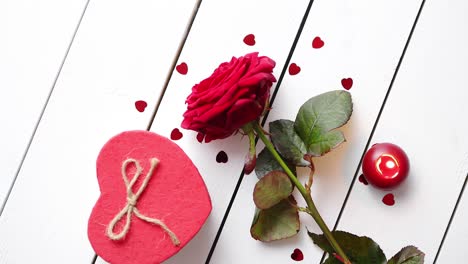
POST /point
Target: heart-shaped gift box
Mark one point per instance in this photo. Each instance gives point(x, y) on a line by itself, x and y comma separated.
point(167, 203)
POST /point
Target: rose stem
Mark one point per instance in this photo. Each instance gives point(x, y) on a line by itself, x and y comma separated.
point(311, 174)
point(308, 198)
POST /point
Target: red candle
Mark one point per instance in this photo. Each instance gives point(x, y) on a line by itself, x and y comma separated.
point(385, 165)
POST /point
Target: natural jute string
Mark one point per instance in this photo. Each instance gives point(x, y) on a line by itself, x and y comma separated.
point(132, 199)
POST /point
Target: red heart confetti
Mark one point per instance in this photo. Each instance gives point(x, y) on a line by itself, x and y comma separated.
point(249, 39)
point(389, 199)
point(294, 69)
point(222, 157)
point(162, 198)
point(200, 137)
point(347, 83)
point(176, 134)
point(140, 105)
point(297, 255)
point(182, 68)
point(363, 179)
point(317, 43)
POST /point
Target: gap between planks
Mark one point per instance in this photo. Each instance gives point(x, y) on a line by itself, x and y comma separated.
point(169, 74)
point(174, 62)
point(451, 219)
point(280, 79)
point(43, 109)
point(376, 123)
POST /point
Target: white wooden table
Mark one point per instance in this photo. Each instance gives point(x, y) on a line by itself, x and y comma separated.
point(71, 71)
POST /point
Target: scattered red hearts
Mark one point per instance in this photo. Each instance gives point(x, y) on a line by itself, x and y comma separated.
point(176, 134)
point(363, 179)
point(317, 43)
point(389, 199)
point(297, 255)
point(222, 157)
point(182, 68)
point(294, 69)
point(347, 83)
point(249, 40)
point(140, 105)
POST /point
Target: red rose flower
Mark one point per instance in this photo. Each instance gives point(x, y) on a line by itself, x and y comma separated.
point(235, 94)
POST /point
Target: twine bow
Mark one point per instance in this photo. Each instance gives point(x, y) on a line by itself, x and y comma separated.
point(132, 199)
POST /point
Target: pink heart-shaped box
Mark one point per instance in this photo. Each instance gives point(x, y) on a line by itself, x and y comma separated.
point(175, 194)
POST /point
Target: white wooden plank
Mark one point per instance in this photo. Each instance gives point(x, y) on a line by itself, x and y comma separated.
point(100, 261)
point(34, 37)
point(216, 36)
point(422, 115)
point(122, 53)
point(453, 248)
point(362, 40)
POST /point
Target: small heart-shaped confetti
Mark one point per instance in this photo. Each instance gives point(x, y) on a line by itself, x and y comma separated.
point(389, 199)
point(176, 134)
point(249, 39)
point(363, 179)
point(347, 83)
point(297, 255)
point(140, 105)
point(294, 69)
point(182, 68)
point(222, 157)
point(317, 43)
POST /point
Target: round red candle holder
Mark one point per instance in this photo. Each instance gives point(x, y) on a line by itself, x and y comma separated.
point(385, 165)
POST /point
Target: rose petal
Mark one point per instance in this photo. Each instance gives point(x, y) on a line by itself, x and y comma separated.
point(243, 112)
point(236, 93)
point(256, 79)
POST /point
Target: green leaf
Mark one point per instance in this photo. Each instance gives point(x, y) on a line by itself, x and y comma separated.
point(278, 222)
point(408, 255)
point(271, 189)
point(326, 142)
point(267, 163)
point(318, 116)
point(362, 250)
point(287, 142)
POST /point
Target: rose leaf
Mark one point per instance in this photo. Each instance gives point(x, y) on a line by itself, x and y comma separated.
point(278, 222)
point(408, 255)
point(287, 142)
point(320, 115)
point(324, 143)
point(362, 250)
point(267, 163)
point(271, 189)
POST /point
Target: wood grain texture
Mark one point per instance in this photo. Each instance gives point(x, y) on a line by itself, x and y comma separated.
point(35, 37)
point(457, 236)
point(217, 35)
point(424, 116)
point(122, 53)
point(362, 42)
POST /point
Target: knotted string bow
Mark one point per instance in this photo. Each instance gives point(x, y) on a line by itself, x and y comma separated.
point(132, 199)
